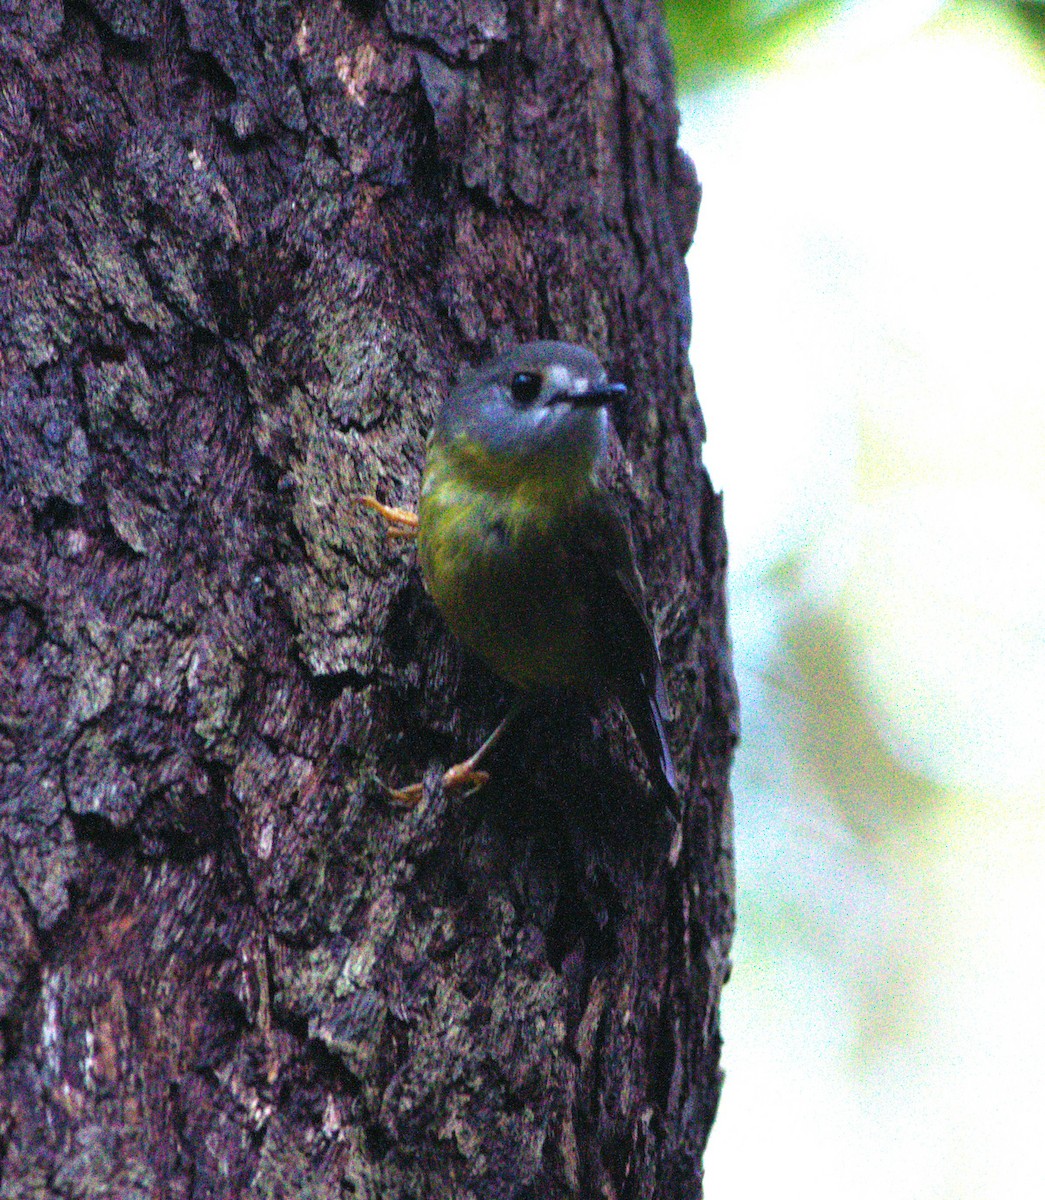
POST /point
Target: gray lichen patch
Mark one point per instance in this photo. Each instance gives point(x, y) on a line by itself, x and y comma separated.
point(214, 681)
point(93, 687)
point(372, 373)
point(97, 784)
point(115, 391)
point(99, 1164)
point(44, 859)
point(137, 524)
point(46, 449)
point(116, 273)
point(487, 1054)
point(465, 30)
point(447, 1015)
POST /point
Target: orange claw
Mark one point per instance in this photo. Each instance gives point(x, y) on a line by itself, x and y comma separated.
point(464, 774)
point(402, 523)
point(407, 797)
point(460, 775)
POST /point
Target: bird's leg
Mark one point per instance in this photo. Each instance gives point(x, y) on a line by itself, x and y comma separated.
point(402, 523)
point(464, 774)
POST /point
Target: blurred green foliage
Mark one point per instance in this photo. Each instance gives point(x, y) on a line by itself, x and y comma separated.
point(1031, 15)
point(712, 37)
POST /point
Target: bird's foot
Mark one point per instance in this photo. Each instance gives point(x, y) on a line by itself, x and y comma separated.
point(460, 775)
point(463, 775)
point(401, 522)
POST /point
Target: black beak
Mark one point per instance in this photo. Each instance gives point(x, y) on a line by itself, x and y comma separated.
point(604, 393)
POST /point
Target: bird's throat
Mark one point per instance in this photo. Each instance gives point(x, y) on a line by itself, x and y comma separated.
point(545, 485)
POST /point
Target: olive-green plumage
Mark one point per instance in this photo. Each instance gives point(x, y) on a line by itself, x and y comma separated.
point(525, 556)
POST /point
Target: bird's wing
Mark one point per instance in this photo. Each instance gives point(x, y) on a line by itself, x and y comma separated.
point(623, 639)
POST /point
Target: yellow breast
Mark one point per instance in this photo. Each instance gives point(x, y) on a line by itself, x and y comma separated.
point(492, 540)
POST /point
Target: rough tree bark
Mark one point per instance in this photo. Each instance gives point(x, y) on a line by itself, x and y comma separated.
point(243, 249)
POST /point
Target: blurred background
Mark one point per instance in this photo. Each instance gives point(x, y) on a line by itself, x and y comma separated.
point(868, 284)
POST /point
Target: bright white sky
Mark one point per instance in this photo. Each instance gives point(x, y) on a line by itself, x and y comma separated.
point(869, 346)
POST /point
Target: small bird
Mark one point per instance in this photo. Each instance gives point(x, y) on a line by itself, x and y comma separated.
point(525, 555)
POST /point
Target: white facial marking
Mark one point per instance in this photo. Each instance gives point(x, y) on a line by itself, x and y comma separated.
point(562, 379)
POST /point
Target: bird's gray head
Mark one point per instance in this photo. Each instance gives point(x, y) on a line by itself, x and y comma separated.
point(544, 402)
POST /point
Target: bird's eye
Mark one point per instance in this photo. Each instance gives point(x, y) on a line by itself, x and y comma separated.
point(526, 387)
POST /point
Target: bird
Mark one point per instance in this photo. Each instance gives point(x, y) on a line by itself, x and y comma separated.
point(526, 555)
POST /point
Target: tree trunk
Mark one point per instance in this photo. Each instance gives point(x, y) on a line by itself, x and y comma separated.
point(243, 250)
